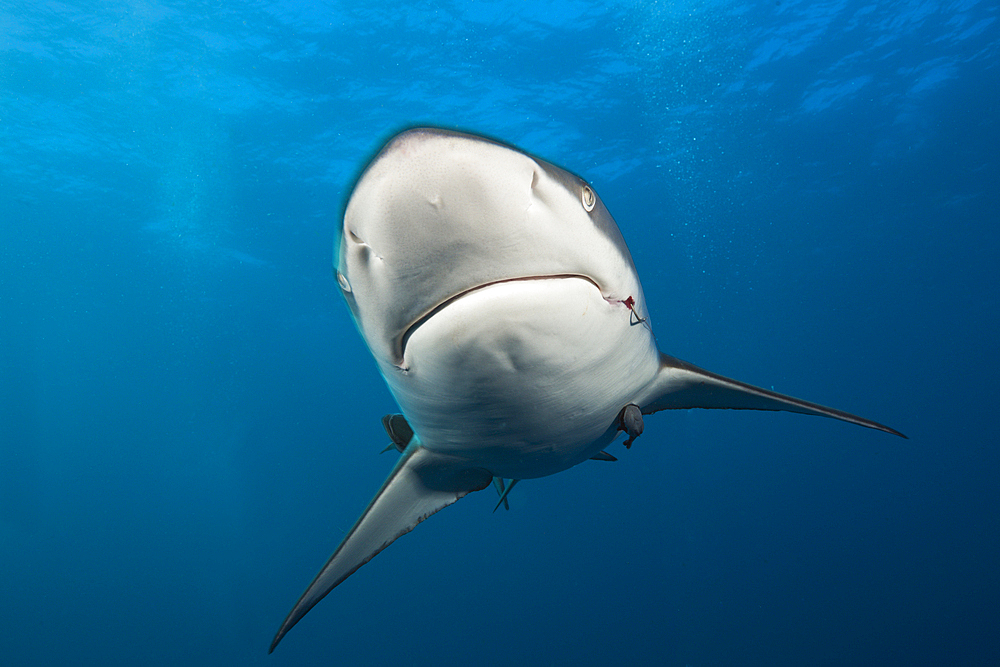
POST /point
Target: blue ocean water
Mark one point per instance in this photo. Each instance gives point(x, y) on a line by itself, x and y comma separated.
point(190, 420)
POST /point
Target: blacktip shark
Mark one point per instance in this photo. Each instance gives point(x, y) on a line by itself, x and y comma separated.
point(503, 309)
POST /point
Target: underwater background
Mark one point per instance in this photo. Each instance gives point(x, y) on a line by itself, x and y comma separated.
point(189, 421)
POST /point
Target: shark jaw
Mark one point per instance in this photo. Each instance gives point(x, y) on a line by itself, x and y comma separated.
point(444, 304)
point(553, 351)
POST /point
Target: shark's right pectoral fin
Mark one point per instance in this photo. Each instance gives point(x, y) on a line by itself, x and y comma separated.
point(680, 385)
point(421, 484)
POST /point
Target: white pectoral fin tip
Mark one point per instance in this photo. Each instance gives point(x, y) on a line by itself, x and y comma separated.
point(420, 484)
point(681, 385)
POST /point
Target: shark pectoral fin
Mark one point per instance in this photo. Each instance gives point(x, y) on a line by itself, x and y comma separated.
point(420, 484)
point(680, 385)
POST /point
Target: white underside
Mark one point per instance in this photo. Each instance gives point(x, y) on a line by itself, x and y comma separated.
point(524, 378)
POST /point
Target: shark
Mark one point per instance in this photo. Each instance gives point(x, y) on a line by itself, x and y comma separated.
point(502, 306)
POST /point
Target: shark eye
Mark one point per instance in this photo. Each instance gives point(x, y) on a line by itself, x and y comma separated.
point(589, 198)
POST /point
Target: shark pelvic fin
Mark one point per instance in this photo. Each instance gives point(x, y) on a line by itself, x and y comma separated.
point(503, 496)
point(499, 486)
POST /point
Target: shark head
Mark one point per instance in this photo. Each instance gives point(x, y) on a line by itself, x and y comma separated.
point(489, 284)
point(439, 214)
point(501, 304)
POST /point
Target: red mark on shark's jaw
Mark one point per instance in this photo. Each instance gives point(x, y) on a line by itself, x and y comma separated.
point(630, 304)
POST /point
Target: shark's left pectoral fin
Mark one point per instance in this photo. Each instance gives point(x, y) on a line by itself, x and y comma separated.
point(421, 484)
point(680, 385)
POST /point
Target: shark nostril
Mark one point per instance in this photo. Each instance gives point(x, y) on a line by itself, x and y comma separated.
point(345, 285)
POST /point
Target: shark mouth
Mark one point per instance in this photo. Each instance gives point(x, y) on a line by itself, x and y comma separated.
point(452, 299)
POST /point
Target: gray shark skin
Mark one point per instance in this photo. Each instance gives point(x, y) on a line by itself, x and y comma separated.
point(503, 309)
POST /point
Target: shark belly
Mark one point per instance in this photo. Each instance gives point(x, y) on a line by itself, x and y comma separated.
point(524, 377)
